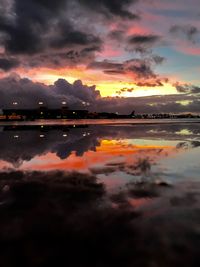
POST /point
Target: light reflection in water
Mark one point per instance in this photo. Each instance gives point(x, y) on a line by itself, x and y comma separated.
point(100, 150)
point(131, 191)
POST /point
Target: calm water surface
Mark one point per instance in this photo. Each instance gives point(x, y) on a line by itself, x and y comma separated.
point(100, 195)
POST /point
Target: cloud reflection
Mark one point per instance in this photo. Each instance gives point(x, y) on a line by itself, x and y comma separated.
point(65, 146)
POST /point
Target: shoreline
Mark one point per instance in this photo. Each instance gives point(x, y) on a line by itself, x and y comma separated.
point(99, 121)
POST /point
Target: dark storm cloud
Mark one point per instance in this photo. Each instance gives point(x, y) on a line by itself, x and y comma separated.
point(188, 32)
point(44, 33)
point(143, 39)
point(106, 65)
point(116, 35)
point(187, 88)
point(75, 37)
point(51, 4)
point(140, 68)
point(156, 82)
point(66, 58)
point(142, 43)
point(67, 35)
point(28, 93)
point(8, 64)
point(112, 7)
point(77, 90)
point(33, 26)
point(23, 31)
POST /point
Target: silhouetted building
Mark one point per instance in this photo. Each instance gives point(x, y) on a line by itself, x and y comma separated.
point(43, 113)
point(64, 113)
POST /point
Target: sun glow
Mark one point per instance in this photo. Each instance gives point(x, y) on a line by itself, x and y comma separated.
point(111, 89)
point(108, 85)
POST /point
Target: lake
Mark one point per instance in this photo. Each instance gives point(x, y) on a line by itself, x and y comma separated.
point(103, 193)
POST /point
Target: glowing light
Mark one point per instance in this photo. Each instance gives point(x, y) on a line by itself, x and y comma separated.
point(108, 85)
point(184, 132)
point(184, 102)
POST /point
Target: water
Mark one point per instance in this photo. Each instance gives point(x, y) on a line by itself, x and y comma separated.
point(118, 194)
point(101, 121)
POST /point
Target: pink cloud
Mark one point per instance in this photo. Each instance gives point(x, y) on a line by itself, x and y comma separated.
point(194, 51)
point(138, 29)
point(109, 51)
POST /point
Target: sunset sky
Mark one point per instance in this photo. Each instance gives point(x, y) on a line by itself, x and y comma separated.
point(107, 55)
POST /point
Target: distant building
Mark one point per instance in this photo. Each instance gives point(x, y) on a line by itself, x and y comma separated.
point(43, 113)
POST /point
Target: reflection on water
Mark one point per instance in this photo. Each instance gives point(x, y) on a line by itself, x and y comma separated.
point(110, 152)
point(104, 195)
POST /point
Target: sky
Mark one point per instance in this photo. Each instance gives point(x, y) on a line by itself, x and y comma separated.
point(107, 55)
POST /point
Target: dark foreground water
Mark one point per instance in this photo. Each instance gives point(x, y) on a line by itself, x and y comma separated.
point(99, 196)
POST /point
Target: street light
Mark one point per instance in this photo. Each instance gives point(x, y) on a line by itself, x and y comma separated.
point(15, 103)
point(40, 103)
point(64, 103)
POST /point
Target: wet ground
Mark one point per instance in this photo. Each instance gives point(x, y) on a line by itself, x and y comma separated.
point(100, 195)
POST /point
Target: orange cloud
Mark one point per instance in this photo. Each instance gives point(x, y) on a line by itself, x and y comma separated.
point(108, 151)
